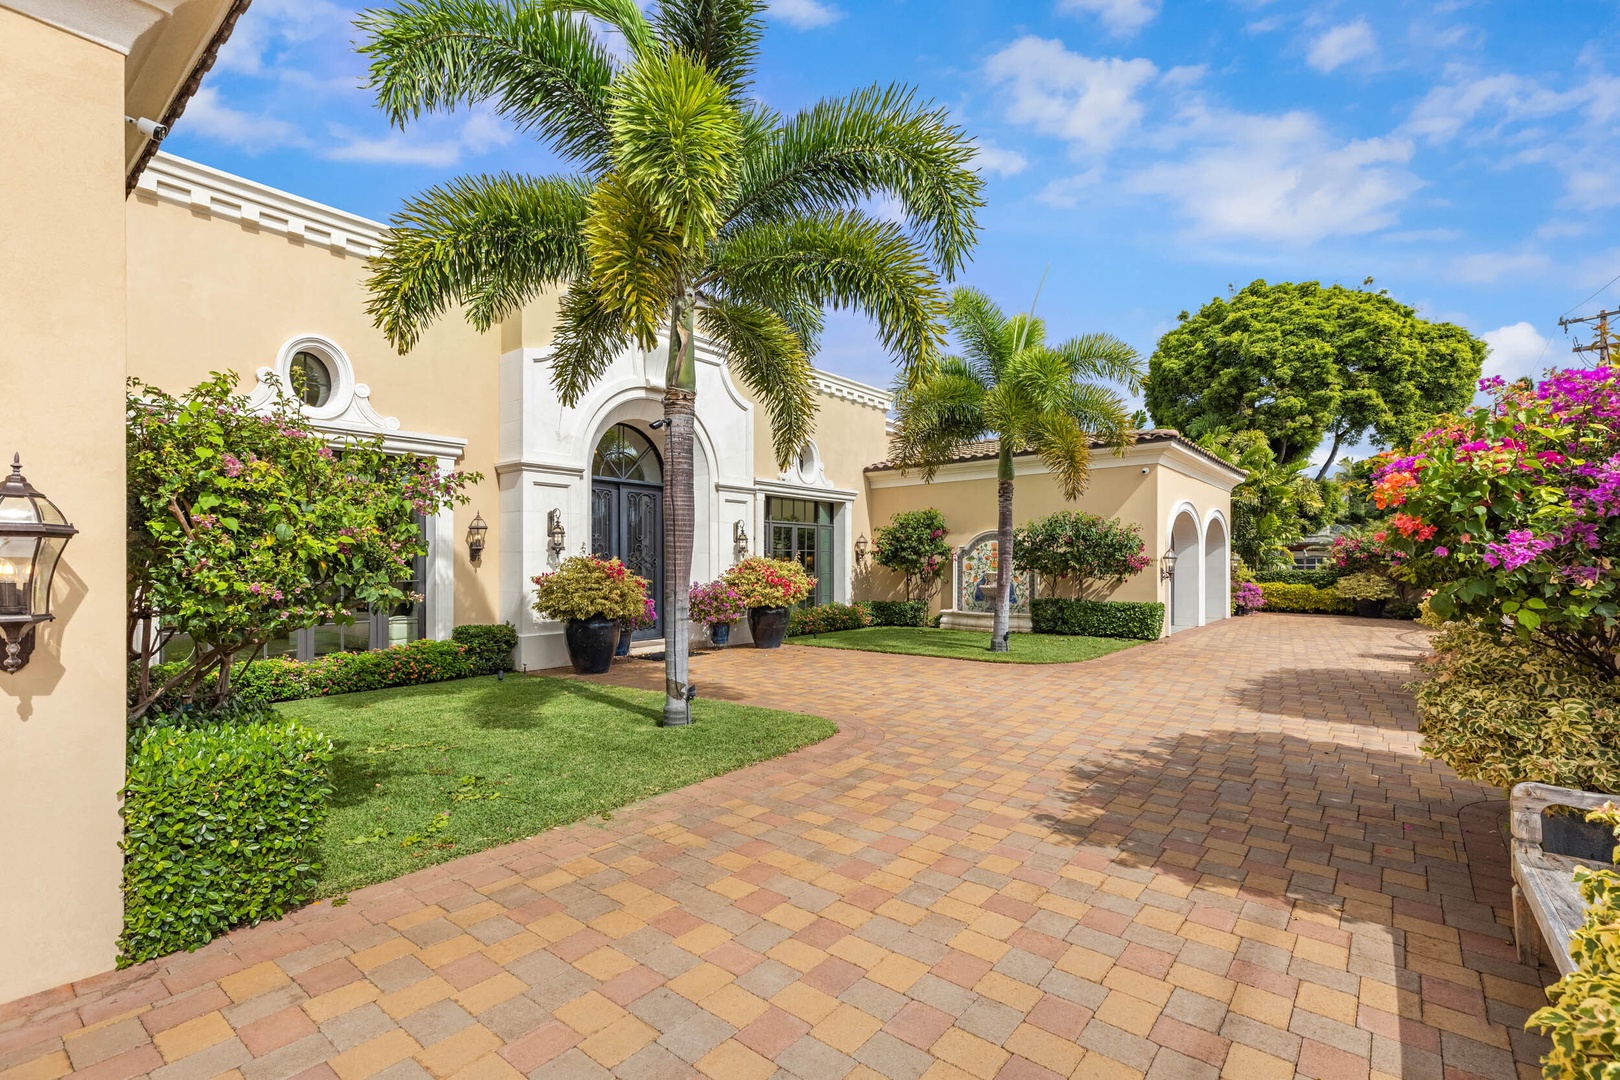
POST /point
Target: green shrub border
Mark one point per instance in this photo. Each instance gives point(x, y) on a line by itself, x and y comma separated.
point(1304, 599)
point(489, 646)
point(899, 612)
point(1321, 578)
point(828, 618)
point(1097, 618)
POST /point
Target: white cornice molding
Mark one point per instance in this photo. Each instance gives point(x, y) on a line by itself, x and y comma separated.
point(805, 491)
point(837, 386)
point(218, 194)
point(1169, 454)
point(543, 468)
point(117, 24)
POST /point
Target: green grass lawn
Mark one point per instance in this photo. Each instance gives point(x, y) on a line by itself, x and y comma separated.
point(968, 644)
point(427, 773)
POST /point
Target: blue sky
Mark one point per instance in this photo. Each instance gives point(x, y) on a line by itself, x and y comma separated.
point(1153, 152)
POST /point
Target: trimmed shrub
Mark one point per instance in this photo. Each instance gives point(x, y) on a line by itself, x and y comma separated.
point(1097, 618)
point(1503, 711)
point(220, 825)
point(1365, 586)
point(899, 612)
point(1317, 579)
point(828, 618)
point(281, 679)
point(1399, 609)
point(489, 647)
point(1304, 598)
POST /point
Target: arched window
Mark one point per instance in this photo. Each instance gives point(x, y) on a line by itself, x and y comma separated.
point(625, 454)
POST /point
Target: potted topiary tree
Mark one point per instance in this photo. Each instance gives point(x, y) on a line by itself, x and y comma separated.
point(767, 587)
point(1369, 591)
point(716, 605)
point(591, 597)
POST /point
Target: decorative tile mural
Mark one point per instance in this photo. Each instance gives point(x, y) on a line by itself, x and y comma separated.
point(976, 579)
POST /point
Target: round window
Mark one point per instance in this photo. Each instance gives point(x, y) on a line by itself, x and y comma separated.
point(311, 379)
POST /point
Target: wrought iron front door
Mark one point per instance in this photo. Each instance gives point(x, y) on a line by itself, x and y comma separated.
point(627, 523)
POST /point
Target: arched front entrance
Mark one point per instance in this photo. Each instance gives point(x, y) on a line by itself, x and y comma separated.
point(1185, 579)
point(1217, 571)
point(627, 509)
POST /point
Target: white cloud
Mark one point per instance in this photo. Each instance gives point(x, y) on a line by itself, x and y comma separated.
point(1092, 103)
point(1342, 45)
point(988, 157)
point(805, 14)
point(1489, 267)
point(1515, 350)
point(1065, 193)
point(1447, 109)
point(210, 118)
point(1122, 17)
point(480, 132)
point(273, 26)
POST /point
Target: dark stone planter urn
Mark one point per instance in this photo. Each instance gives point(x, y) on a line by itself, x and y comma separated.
point(590, 643)
point(625, 634)
point(1370, 609)
point(768, 625)
point(719, 633)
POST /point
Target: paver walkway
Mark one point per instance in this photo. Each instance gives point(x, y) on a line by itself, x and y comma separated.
point(1219, 855)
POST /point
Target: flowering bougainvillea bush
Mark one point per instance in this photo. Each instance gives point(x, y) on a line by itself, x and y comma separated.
point(715, 604)
point(1513, 513)
point(585, 586)
point(913, 544)
point(762, 582)
point(1247, 598)
point(1073, 546)
point(245, 525)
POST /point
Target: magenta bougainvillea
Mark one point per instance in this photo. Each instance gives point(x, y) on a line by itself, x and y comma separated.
point(1247, 597)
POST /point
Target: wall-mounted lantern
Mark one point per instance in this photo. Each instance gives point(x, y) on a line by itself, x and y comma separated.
point(475, 537)
point(861, 547)
point(33, 533)
point(739, 540)
point(557, 536)
point(1167, 564)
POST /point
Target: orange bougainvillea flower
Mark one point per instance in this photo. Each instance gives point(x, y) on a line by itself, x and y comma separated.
point(1390, 491)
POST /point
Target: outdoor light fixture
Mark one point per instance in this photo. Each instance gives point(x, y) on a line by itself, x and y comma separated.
point(860, 549)
point(554, 530)
point(739, 539)
point(1167, 564)
point(475, 537)
point(33, 533)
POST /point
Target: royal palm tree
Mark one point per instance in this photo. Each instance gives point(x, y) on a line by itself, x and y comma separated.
point(1011, 385)
point(691, 208)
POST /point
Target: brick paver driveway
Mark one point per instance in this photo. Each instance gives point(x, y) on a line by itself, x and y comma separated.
point(1215, 855)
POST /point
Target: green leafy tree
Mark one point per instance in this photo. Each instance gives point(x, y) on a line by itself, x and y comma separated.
point(1053, 400)
point(245, 526)
point(692, 208)
point(1277, 503)
point(1305, 363)
point(913, 545)
point(1072, 545)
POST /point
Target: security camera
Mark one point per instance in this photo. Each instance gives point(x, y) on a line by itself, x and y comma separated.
point(1144, 470)
point(150, 129)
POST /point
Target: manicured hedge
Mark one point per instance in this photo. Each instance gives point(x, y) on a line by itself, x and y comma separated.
point(220, 825)
point(1097, 618)
point(1304, 598)
point(489, 647)
point(827, 618)
point(899, 612)
point(1319, 579)
point(280, 679)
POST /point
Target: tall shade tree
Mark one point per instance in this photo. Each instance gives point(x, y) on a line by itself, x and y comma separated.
point(691, 208)
point(1306, 363)
point(1009, 384)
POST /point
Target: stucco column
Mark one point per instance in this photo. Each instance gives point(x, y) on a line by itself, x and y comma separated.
point(62, 347)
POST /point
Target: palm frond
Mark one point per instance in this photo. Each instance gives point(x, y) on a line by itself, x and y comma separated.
point(879, 141)
point(589, 338)
point(545, 72)
point(635, 261)
point(1104, 356)
point(1103, 412)
point(765, 353)
point(1064, 447)
point(845, 260)
point(722, 34)
point(625, 16)
point(981, 329)
point(937, 416)
point(487, 242)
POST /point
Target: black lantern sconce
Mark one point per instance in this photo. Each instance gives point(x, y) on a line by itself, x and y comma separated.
point(739, 540)
point(1167, 564)
point(557, 536)
point(475, 537)
point(33, 533)
point(861, 547)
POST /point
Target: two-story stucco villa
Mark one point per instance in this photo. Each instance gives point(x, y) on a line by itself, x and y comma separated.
point(121, 261)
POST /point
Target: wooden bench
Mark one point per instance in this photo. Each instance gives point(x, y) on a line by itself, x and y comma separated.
point(1547, 908)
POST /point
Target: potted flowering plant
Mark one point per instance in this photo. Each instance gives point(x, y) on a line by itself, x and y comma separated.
point(1246, 598)
point(591, 597)
point(717, 605)
point(645, 621)
point(767, 587)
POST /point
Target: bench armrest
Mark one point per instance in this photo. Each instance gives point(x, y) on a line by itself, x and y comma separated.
point(1529, 800)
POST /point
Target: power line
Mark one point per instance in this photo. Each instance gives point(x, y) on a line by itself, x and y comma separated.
point(1588, 300)
point(1600, 343)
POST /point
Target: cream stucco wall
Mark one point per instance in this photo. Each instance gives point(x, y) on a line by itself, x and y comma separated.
point(207, 293)
point(62, 278)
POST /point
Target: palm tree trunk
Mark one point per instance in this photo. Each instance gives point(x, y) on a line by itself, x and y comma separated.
point(680, 399)
point(1004, 551)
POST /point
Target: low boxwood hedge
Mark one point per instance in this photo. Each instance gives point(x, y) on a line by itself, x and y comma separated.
point(280, 679)
point(1097, 618)
point(489, 647)
point(827, 618)
point(1304, 598)
point(1321, 578)
point(899, 612)
point(220, 824)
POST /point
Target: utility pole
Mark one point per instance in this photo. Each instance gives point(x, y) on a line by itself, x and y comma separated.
point(1600, 343)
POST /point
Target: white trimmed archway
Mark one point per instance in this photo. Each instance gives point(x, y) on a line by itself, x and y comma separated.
point(1186, 580)
point(1217, 568)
